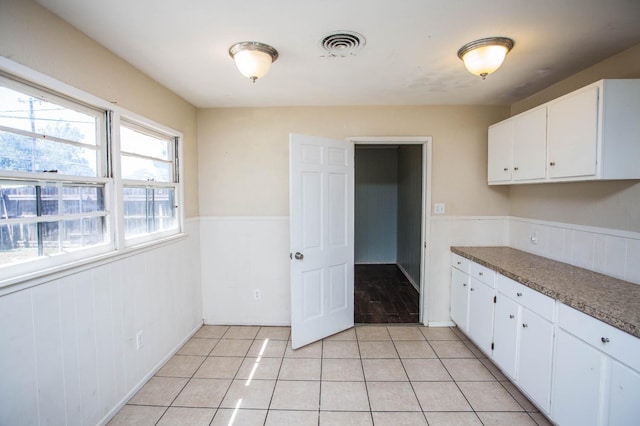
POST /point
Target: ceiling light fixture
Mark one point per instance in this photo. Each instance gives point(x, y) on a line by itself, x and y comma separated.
point(253, 59)
point(484, 56)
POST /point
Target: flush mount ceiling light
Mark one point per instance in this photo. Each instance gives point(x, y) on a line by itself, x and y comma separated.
point(484, 56)
point(253, 59)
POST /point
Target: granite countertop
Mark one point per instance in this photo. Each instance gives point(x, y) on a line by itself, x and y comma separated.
point(611, 300)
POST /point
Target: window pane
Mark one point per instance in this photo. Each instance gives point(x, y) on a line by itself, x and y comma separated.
point(50, 200)
point(148, 210)
point(145, 169)
point(28, 113)
point(21, 242)
point(24, 154)
point(139, 143)
point(83, 199)
point(83, 232)
point(18, 200)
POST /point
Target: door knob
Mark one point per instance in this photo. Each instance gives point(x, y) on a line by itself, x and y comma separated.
point(299, 256)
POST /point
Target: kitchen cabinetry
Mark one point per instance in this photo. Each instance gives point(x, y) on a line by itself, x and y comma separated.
point(523, 338)
point(481, 314)
point(517, 148)
point(589, 134)
point(596, 378)
point(460, 291)
point(472, 293)
point(572, 134)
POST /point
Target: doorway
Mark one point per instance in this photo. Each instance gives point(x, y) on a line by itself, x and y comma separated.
point(389, 217)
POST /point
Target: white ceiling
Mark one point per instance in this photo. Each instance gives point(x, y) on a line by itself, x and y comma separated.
point(410, 57)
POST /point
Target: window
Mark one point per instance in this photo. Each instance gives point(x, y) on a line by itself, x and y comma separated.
point(51, 167)
point(149, 180)
point(71, 187)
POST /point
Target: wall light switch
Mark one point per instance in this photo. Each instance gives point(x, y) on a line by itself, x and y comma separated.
point(438, 208)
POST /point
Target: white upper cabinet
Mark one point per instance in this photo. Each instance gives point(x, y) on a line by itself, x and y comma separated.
point(572, 124)
point(529, 145)
point(590, 134)
point(518, 148)
point(500, 167)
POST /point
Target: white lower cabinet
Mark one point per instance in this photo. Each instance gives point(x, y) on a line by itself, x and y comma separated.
point(535, 358)
point(459, 298)
point(624, 396)
point(576, 381)
point(576, 369)
point(481, 315)
point(523, 340)
point(505, 335)
point(595, 376)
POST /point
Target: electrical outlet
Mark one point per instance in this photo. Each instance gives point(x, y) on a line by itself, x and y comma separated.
point(139, 339)
point(256, 294)
point(438, 208)
point(533, 239)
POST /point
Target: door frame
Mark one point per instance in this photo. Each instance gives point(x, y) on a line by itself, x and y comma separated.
point(426, 142)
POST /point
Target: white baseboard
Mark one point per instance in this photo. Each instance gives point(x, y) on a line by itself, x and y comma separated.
point(441, 324)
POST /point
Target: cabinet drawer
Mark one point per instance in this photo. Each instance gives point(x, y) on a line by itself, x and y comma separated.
point(483, 274)
point(525, 296)
point(614, 342)
point(461, 263)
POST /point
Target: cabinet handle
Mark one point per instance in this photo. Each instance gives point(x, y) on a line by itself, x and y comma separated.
point(471, 288)
point(464, 284)
point(480, 273)
point(553, 163)
point(525, 325)
point(519, 294)
point(605, 340)
point(506, 169)
point(511, 316)
point(459, 263)
point(515, 168)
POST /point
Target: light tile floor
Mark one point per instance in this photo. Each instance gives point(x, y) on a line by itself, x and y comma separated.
point(382, 375)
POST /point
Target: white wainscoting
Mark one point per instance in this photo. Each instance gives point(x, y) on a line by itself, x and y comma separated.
point(69, 345)
point(241, 255)
point(447, 231)
point(608, 251)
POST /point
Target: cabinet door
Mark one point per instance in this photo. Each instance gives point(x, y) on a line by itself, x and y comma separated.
point(459, 298)
point(572, 135)
point(505, 335)
point(499, 152)
point(624, 396)
point(530, 145)
point(576, 381)
point(481, 315)
point(535, 358)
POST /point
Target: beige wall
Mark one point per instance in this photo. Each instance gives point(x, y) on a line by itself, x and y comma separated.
point(244, 153)
point(614, 204)
point(32, 36)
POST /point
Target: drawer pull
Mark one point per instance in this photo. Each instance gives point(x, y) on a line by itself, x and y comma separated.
point(506, 169)
point(459, 263)
point(471, 288)
point(605, 340)
point(464, 284)
point(511, 316)
point(480, 273)
point(519, 294)
point(525, 325)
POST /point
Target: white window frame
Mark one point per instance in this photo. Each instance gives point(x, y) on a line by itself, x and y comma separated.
point(176, 184)
point(33, 272)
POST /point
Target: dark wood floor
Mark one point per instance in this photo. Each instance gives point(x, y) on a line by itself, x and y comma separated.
point(384, 295)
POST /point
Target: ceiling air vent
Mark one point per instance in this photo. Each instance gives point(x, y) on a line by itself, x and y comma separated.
point(341, 44)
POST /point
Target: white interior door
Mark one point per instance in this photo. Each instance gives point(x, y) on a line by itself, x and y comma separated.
point(321, 191)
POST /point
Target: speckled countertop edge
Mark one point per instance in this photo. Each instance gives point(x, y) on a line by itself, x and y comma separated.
point(611, 300)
